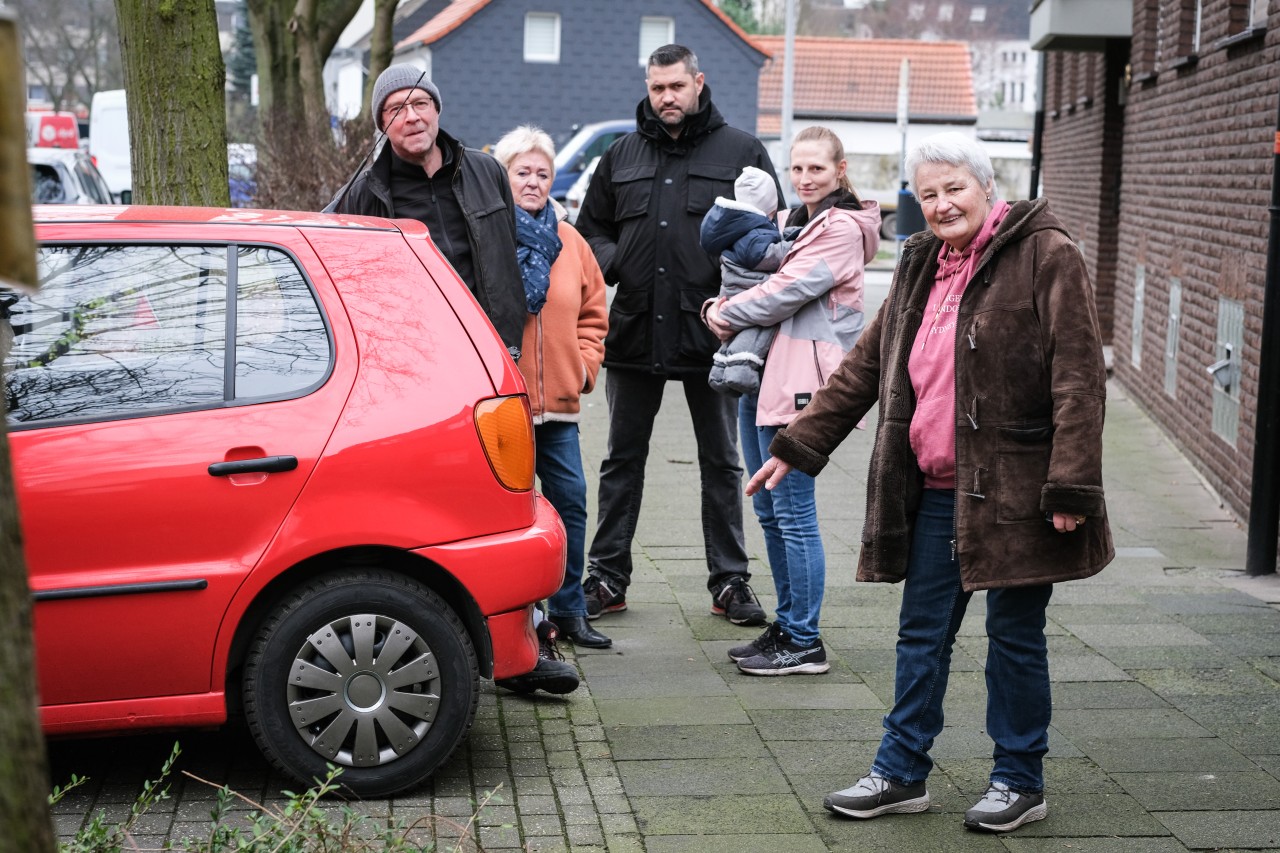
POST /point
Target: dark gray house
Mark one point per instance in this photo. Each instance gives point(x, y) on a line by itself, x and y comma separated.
point(563, 63)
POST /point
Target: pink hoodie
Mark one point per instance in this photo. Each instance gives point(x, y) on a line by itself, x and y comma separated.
point(932, 363)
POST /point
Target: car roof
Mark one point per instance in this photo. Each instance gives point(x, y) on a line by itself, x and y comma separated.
point(43, 156)
point(63, 213)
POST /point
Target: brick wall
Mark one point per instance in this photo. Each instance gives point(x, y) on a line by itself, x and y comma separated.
point(1195, 178)
point(1081, 151)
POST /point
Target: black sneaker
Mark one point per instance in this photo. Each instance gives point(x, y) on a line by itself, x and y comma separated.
point(763, 644)
point(552, 673)
point(787, 658)
point(736, 602)
point(872, 796)
point(601, 599)
point(1003, 809)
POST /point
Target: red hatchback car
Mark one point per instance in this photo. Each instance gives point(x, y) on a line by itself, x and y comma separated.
point(277, 463)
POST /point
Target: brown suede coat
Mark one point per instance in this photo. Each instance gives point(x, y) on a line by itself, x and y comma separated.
point(1030, 397)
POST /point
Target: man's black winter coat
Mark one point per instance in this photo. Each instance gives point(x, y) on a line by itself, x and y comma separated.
point(641, 216)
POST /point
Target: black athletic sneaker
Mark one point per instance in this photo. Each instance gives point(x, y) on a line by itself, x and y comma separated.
point(787, 658)
point(1003, 809)
point(736, 602)
point(552, 674)
point(763, 644)
point(872, 796)
point(601, 599)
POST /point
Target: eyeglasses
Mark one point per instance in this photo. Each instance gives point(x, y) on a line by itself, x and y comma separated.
point(418, 105)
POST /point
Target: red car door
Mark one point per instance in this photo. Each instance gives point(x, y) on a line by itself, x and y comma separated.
point(153, 461)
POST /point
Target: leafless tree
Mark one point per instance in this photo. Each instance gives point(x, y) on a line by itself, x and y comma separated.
point(71, 47)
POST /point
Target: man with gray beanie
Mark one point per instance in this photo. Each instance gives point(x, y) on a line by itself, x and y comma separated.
point(462, 195)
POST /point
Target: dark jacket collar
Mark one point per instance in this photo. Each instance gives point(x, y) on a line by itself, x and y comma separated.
point(696, 126)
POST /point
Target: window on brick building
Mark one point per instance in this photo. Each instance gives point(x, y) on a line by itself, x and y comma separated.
point(945, 12)
point(1142, 55)
point(977, 14)
point(1246, 15)
point(1187, 27)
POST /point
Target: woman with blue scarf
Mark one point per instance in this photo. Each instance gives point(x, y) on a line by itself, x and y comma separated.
point(563, 347)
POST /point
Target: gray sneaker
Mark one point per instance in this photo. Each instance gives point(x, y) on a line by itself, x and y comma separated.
point(1003, 809)
point(873, 796)
point(765, 643)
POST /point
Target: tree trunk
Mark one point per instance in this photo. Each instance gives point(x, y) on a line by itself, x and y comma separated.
point(24, 774)
point(293, 40)
point(175, 78)
point(381, 46)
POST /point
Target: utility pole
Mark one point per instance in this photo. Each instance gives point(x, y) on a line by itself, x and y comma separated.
point(788, 87)
point(1264, 492)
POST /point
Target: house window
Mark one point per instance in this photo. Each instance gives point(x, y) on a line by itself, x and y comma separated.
point(1145, 38)
point(541, 37)
point(977, 14)
point(654, 33)
point(1244, 15)
point(916, 11)
point(1188, 27)
point(945, 12)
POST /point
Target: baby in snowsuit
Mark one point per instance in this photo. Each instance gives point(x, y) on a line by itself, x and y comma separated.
point(742, 231)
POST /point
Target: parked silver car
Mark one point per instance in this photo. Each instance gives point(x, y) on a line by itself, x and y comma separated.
point(65, 176)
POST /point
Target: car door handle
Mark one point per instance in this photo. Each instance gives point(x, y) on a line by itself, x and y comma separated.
point(264, 465)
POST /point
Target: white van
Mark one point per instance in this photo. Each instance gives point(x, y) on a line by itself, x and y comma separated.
point(109, 140)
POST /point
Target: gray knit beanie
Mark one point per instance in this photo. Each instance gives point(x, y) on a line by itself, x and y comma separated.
point(398, 77)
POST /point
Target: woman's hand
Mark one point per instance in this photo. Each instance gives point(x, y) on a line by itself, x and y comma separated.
point(1064, 523)
point(769, 475)
point(712, 318)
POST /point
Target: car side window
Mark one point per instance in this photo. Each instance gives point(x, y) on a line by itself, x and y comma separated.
point(46, 186)
point(125, 331)
point(282, 346)
point(92, 184)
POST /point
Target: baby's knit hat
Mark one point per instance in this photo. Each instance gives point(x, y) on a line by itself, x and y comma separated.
point(758, 189)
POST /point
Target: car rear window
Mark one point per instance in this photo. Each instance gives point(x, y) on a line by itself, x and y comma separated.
point(46, 185)
point(120, 331)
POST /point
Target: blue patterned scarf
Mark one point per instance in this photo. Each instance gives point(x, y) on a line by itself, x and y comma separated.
point(537, 247)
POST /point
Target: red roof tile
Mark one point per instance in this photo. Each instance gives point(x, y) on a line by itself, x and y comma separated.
point(857, 80)
point(449, 19)
point(456, 13)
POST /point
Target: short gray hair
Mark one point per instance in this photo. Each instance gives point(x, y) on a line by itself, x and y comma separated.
point(954, 149)
point(522, 140)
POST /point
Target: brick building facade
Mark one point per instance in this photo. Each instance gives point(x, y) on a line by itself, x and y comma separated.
point(1157, 152)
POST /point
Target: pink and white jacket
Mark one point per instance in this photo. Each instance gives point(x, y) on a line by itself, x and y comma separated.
point(815, 298)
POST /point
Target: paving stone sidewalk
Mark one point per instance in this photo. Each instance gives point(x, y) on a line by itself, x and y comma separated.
point(1165, 735)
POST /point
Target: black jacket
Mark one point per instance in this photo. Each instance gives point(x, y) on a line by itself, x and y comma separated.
point(642, 214)
point(484, 193)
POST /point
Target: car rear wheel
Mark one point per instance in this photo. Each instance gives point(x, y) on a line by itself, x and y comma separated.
point(889, 226)
point(367, 670)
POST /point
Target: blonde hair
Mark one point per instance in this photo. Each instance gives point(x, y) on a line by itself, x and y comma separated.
point(522, 140)
point(817, 133)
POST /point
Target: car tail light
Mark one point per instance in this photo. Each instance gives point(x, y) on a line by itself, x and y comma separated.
point(506, 433)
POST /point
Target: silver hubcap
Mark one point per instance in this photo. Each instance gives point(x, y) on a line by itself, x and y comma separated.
point(363, 690)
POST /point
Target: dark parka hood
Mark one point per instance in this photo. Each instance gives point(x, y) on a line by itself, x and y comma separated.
point(1030, 401)
point(695, 126)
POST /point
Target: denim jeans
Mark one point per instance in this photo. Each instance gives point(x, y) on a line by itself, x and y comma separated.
point(789, 517)
point(634, 398)
point(1018, 699)
point(558, 464)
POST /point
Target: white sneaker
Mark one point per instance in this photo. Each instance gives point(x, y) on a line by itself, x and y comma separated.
point(1003, 809)
point(872, 796)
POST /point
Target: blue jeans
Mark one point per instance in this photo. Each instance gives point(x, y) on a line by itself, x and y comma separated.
point(634, 398)
point(1018, 700)
point(558, 464)
point(789, 517)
